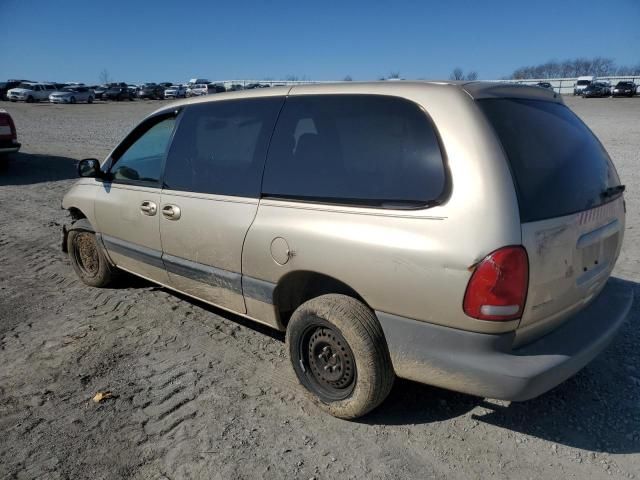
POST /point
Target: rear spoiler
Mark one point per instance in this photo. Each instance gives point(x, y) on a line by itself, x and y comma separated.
point(478, 90)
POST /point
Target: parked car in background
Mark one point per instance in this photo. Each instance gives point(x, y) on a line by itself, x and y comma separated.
point(582, 83)
point(624, 89)
point(596, 90)
point(8, 135)
point(31, 92)
point(118, 93)
point(607, 87)
point(236, 87)
point(152, 91)
point(72, 95)
point(176, 91)
point(215, 88)
point(133, 89)
point(100, 90)
point(544, 85)
point(328, 212)
point(197, 90)
point(251, 86)
point(8, 85)
point(166, 85)
point(194, 81)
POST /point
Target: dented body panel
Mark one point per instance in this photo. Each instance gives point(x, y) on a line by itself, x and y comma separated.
point(571, 258)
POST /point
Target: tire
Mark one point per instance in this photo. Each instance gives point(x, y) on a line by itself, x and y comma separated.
point(87, 258)
point(29, 99)
point(340, 337)
point(90, 99)
point(73, 100)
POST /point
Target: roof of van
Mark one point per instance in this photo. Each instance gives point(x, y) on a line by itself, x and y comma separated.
point(475, 89)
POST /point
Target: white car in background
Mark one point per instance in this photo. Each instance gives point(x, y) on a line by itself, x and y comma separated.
point(197, 90)
point(31, 92)
point(72, 94)
point(176, 91)
point(582, 83)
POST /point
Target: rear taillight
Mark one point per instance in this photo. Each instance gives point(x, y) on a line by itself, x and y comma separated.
point(498, 286)
point(6, 121)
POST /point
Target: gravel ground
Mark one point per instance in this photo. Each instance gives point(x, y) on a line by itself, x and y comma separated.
point(198, 393)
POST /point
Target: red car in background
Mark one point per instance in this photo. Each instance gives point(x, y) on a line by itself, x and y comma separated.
point(8, 135)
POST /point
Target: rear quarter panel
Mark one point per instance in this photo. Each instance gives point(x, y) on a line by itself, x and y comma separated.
point(412, 263)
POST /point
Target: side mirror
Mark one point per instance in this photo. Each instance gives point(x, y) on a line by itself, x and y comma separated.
point(89, 167)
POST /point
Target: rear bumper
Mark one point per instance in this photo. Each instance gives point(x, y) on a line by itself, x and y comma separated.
point(9, 147)
point(487, 366)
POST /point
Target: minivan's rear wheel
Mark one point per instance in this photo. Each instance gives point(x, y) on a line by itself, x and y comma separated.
point(87, 259)
point(339, 354)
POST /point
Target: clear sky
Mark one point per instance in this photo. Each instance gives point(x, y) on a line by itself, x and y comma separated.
point(161, 40)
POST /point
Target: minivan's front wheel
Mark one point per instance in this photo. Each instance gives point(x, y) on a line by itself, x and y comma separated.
point(87, 259)
point(339, 354)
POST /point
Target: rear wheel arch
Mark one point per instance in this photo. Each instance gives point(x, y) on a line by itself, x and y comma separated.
point(299, 286)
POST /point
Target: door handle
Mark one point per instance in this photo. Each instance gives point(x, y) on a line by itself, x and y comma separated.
point(149, 208)
point(171, 212)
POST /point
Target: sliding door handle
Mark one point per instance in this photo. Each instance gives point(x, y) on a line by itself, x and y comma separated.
point(171, 212)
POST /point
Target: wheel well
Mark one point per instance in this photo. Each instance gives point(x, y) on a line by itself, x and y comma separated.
point(76, 213)
point(296, 288)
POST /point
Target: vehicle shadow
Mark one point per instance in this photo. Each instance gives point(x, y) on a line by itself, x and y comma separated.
point(127, 280)
point(597, 410)
point(27, 168)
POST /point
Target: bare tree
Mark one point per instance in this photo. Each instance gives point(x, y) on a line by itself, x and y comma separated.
point(472, 75)
point(394, 75)
point(104, 76)
point(291, 78)
point(599, 66)
point(347, 79)
point(457, 74)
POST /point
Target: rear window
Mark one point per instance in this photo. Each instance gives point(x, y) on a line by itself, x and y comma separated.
point(367, 150)
point(559, 166)
point(584, 82)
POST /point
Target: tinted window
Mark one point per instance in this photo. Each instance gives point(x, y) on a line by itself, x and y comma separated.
point(142, 161)
point(220, 147)
point(356, 149)
point(558, 165)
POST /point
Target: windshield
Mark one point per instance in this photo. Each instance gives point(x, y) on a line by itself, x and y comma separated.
point(624, 84)
point(559, 166)
point(584, 82)
point(69, 89)
point(28, 86)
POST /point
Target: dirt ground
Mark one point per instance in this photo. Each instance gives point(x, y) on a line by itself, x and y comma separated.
point(199, 393)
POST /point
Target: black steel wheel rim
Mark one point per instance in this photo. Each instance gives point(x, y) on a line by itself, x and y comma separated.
point(85, 254)
point(328, 364)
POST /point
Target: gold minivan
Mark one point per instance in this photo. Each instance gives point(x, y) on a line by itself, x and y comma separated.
point(456, 234)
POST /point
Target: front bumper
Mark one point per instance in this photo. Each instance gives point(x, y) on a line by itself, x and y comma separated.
point(487, 365)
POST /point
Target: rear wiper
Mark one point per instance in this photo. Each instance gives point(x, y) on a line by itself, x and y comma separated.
point(612, 191)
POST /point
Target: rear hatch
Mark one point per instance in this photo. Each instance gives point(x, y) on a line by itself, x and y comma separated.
point(571, 206)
